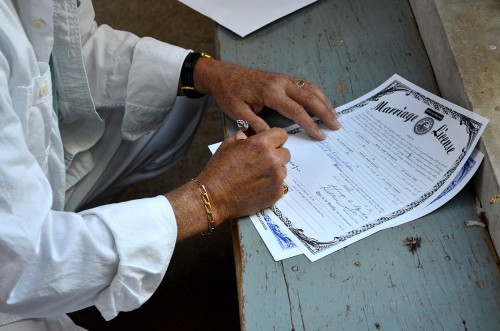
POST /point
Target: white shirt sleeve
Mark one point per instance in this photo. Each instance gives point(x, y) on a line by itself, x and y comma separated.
point(140, 74)
point(53, 262)
point(144, 232)
point(111, 257)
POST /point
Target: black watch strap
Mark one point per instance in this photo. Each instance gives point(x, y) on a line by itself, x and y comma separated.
point(187, 74)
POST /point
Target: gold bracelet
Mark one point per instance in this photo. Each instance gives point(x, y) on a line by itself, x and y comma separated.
point(208, 207)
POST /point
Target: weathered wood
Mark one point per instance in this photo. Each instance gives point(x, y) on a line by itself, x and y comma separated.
point(345, 47)
point(462, 39)
point(452, 282)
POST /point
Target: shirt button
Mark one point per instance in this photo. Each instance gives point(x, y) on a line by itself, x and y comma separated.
point(44, 89)
point(38, 24)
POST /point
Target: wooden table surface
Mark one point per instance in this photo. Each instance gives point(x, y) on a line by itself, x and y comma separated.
point(452, 282)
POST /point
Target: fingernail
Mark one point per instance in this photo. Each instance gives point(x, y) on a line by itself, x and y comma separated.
point(320, 135)
point(333, 124)
point(336, 125)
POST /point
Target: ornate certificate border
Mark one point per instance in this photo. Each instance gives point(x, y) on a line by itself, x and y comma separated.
point(473, 128)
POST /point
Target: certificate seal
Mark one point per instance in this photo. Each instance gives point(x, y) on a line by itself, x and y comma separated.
point(423, 126)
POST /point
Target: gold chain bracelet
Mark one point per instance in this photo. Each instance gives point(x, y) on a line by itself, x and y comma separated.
point(208, 207)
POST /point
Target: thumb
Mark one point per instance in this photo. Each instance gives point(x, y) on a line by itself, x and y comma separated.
point(240, 135)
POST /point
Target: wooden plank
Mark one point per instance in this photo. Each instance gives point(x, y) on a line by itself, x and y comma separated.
point(451, 283)
point(345, 47)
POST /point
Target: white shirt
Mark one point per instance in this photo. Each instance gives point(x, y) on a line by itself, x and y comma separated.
point(54, 261)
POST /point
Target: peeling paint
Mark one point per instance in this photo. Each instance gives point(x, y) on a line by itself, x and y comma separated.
point(495, 199)
point(341, 87)
point(475, 223)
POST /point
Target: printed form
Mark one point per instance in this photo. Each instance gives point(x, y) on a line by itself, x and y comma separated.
point(401, 153)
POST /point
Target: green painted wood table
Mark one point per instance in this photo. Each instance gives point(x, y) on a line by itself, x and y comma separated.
point(452, 282)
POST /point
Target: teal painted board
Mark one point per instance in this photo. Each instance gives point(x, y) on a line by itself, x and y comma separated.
point(345, 47)
point(451, 283)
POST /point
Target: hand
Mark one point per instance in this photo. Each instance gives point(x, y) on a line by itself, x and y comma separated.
point(246, 175)
point(242, 93)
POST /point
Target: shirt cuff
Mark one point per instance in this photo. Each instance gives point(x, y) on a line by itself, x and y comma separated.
point(145, 232)
point(152, 86)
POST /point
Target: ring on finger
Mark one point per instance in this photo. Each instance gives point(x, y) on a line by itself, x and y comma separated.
point(300, 83)
point(285, 188)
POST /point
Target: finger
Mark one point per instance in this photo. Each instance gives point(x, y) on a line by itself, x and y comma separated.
point(284, 156)
point(308, 86)
point(240, 135)
point(275, 137)
point(243, 112)
point(294, 111)
point(230, 140)
point(320, 94)
point(313, 99)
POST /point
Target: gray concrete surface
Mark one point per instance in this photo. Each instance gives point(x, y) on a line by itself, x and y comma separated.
point(199, 289)
point(462, 38)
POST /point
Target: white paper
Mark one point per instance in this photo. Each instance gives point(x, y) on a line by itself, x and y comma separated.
point(214, 147)
point(244, 17)
point(458, 183)
point(280, 251)
point(401, 153)
point(398, 149)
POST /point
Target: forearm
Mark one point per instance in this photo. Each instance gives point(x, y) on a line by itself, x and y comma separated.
point(190, 212)
point(243, 177)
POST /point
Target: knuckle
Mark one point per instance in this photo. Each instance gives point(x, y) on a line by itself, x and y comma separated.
point(274, 78)
point(297, 110)
point(311, 97)
point(274, 160)
point(279, 133)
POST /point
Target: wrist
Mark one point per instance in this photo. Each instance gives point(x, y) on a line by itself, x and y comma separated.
point(207, 204)
point(190, 212)
point(191, 78)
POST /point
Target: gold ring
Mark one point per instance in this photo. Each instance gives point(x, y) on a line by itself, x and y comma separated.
point(300, 83)
point(285, 188)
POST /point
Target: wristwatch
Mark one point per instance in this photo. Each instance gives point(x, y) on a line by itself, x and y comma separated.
point(187, 74)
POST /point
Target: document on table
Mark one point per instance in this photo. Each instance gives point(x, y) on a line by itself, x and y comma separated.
point(244, 17)
point(281, 246)
point(399, 148)
point(458, 183)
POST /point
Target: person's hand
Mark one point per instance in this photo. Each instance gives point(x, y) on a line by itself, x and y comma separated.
point(243, 92)
point(244, 176)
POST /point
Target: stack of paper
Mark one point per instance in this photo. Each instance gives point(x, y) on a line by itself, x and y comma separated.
point(401, 153)
point(244, 17)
